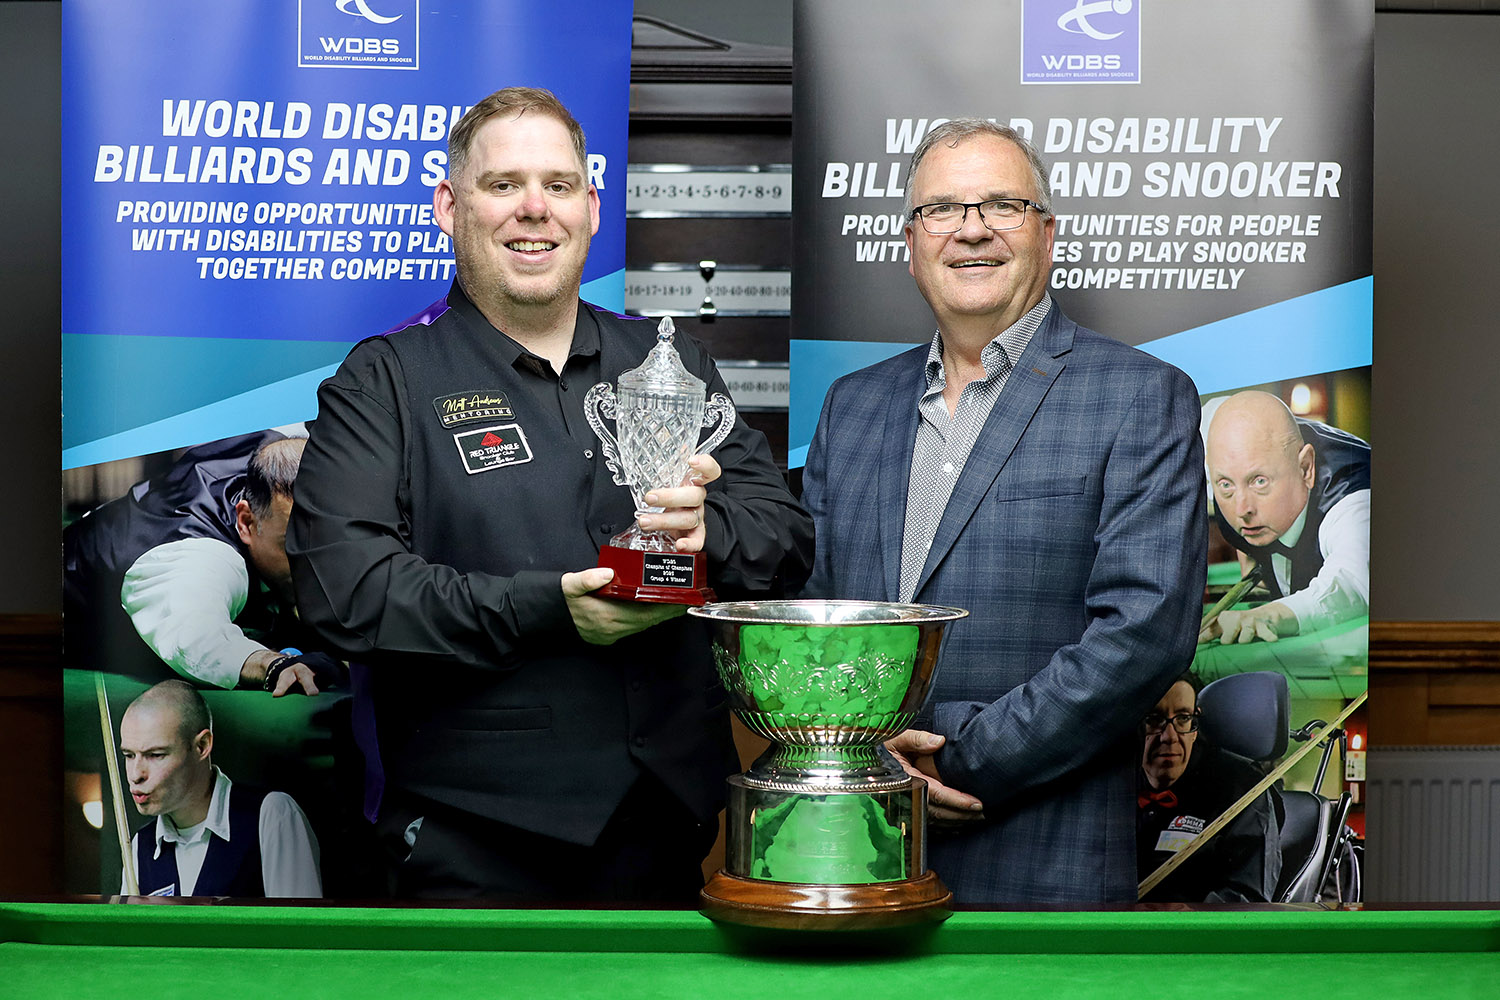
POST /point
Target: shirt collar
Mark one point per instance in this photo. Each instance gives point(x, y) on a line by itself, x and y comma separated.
point(585, 332)
point(1001, 353)
point(1289, 536)
point(216, 823)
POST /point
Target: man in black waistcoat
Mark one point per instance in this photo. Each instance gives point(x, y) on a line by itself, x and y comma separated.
point(1293, 496)
point(209, 837)
point(186, 575)
point(536, 741)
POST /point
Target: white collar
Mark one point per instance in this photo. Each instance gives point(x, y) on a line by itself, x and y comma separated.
point(216, 823)
point(1290, 536)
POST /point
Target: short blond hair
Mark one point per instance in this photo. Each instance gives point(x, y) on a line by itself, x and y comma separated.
point(519, 100)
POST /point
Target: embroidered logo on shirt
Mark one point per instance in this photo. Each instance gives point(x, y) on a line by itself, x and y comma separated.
point(476, 404)
point(487, 448)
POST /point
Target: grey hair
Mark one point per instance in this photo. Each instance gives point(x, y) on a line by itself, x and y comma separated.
point(956, 130)
point(271, 473)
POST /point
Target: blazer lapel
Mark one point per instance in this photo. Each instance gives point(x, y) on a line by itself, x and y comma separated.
point(1029, 381)
point(895, 465)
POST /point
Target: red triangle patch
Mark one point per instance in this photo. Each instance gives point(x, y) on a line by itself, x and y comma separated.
point(490, 440)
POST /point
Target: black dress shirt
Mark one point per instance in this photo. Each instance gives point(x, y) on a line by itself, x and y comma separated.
point(450, 480)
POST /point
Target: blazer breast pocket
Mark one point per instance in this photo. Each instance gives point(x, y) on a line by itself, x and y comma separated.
point(1037, 488)
point(1051, 517)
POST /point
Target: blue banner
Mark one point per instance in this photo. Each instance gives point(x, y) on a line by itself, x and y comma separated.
point(249, 191)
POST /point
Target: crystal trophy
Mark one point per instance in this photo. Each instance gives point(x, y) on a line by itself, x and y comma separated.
point(659, 411)
point(826, 831)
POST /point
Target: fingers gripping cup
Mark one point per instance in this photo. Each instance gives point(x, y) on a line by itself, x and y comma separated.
point(659, 412)
point(826, 830)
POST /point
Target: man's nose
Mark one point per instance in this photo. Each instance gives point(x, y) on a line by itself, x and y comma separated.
point(1244, 505)
point(973, 227)
point(533, 203)
point(135, 772)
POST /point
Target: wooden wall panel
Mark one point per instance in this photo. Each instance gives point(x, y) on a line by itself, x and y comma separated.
point(31, 721)
point(1434, 683)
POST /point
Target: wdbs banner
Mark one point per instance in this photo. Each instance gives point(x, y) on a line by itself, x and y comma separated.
point(249, 191)
point(1210, 171)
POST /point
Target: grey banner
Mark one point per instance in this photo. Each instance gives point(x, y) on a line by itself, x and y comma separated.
point(1235, 173)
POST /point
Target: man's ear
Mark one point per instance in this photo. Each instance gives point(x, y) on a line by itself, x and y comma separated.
point(443, 200)
point(203, 744)
point(1307, 463)
point(244, 520)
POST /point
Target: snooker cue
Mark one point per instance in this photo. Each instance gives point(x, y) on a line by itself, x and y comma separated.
point(116, 796)
point(1171, 864)
point(1234, 594)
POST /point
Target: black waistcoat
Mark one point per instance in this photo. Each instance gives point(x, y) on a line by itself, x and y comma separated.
point(230, 868)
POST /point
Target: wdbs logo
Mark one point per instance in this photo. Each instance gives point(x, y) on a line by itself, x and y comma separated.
point(1081, 41)
point(357, 34)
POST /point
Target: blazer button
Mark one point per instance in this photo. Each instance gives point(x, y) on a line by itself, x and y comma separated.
point(639, 741)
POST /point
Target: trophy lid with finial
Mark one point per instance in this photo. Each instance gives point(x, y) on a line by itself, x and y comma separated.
point(662, 372)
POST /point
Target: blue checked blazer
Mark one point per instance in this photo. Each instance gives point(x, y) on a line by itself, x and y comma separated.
point(1076, 538)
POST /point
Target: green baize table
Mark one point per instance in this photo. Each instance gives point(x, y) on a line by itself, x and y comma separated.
point(85, 950)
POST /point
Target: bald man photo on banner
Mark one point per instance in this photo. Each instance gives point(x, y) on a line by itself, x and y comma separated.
point(1292, 495)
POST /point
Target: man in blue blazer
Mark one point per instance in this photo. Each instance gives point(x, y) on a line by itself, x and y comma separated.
point(1046, 478)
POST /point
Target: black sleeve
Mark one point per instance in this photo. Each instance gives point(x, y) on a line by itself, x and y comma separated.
point(357, 581)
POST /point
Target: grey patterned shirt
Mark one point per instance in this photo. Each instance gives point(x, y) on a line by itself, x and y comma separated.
point(943, 443)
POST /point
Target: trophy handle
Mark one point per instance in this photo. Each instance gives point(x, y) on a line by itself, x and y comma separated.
point(720, 406)
point(601, 400)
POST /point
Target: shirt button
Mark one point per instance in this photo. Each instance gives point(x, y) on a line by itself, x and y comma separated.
point(562, 384)
point(588, 453)
point(635, 685)
point(948, 468)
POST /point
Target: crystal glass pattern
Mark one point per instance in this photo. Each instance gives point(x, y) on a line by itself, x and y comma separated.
point(659, 412)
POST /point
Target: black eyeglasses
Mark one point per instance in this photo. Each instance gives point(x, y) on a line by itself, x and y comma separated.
point(1186, 722)
point(944, 217)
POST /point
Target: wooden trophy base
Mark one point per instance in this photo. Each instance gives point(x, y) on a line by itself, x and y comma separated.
point(656, 577)
point(798, 906)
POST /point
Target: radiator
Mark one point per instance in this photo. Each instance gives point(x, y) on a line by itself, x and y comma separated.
point(1432, 825)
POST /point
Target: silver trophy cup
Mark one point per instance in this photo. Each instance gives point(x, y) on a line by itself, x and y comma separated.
point(826, 831)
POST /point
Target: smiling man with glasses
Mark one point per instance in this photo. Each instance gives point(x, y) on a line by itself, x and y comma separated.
point(1049, 480)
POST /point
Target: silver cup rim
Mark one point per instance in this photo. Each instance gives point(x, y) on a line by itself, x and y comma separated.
point(836, 613)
